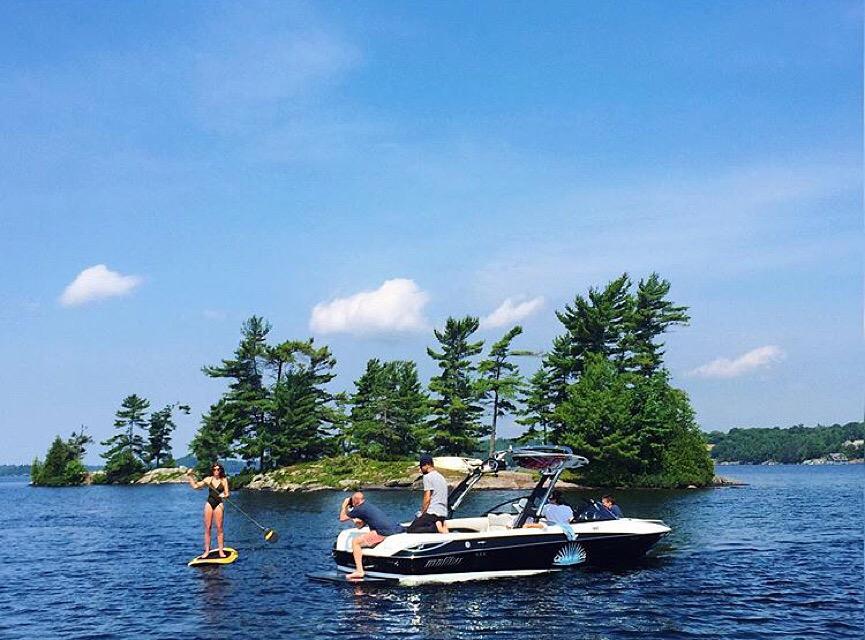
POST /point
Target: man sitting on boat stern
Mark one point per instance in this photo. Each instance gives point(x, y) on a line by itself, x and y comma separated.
point(363, 513)
point(434, 507)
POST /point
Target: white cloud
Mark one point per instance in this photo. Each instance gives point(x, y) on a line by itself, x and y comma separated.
point(511, 311)
point(95, 283)
point(396, 306)
point(758, 358)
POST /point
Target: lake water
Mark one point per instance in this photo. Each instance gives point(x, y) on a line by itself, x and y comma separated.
point(781, 557)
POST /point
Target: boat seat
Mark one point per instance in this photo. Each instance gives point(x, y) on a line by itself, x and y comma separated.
point(499, 521)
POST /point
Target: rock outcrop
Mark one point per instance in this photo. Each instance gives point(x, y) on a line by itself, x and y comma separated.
point(164, 475)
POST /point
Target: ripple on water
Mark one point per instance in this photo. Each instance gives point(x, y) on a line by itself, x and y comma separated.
point(108, 562)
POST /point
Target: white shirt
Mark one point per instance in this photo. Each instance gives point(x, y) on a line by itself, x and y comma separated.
point(558, 513)
point(435, 482)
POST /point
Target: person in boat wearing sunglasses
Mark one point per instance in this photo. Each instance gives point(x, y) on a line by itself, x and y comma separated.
point(214, 509)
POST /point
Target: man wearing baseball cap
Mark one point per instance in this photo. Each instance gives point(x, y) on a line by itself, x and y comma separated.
point(434, 508)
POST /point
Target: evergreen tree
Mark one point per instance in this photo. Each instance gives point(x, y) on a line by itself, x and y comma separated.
point(596, 421)
point(388, 410)
point(412, 407)
point(126, 449)
point(596, 324)
point(304, 411)
point(455, 409)
point(609, 395)
point(500, 380)
point(158, 448)
point(63, 464)
point(538, 405)
point(213, 439)
point(77, 443)
point(652, 314)
point(245, 408)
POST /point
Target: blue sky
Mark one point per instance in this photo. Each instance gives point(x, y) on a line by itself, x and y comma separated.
point(227, 159)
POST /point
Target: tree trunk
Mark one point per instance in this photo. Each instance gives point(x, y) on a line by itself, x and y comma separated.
point(495, 417)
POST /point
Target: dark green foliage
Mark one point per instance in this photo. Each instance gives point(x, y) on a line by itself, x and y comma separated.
point(277, 409)
point(651, 315)
point(791, 445)
point(635, 430)
point(63, 465)
point(603, 390)
point(213, 439)
point(455, 409)
point(158, 449)
point(125, 455)
point(123, 467)
point(538, 407)
point(622, 326)
point(500, 382)
point(596, 421)
point(243, 414)
point(388, 411)
point(302, 406)
point(595, 324)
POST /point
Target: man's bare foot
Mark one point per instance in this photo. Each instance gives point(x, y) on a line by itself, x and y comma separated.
point(355, 575)
point(222, 554)
point(204, 555)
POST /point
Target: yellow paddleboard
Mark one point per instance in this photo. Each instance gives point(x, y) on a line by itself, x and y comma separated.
point(214, 559)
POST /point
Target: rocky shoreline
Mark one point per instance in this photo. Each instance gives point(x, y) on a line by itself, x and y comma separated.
point(404, 477)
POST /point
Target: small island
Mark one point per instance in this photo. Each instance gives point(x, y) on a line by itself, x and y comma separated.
point(601, 388)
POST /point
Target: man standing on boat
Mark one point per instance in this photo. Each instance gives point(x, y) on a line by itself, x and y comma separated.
point(434, 507)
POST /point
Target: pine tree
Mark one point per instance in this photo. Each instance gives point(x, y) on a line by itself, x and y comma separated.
point(388, 410)
point(246, 406)
point(213, 439)
point(500, 380)
point(455, 409)
point(124, 458)
point(158, 447)
point(598, 423)
point(652, 314)
point(63, 464)
point(596, 324)
point(538, 405)
point(305, 416)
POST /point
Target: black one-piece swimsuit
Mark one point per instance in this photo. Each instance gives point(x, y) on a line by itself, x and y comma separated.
point(213, 498)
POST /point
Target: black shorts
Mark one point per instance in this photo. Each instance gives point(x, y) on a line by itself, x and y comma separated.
point(425, 523)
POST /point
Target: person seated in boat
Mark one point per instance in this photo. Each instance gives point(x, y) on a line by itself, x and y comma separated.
point(364, 513)
point(610, 503)
point(433, 512)
point(556, 511)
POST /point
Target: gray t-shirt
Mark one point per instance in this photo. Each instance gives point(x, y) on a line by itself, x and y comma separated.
point(435, 482)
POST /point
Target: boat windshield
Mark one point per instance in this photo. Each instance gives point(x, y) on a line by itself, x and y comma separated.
point(592, 511)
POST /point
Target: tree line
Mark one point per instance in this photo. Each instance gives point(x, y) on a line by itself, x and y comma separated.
point(142, 441)
point(789, 446)
point(601, 388)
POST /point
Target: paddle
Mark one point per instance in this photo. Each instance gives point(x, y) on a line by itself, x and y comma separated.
point(270, 535)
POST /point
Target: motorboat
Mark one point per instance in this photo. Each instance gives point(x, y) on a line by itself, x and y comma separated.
point(497, 543)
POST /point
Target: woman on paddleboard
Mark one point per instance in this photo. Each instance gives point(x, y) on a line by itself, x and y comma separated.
point(214, 510)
